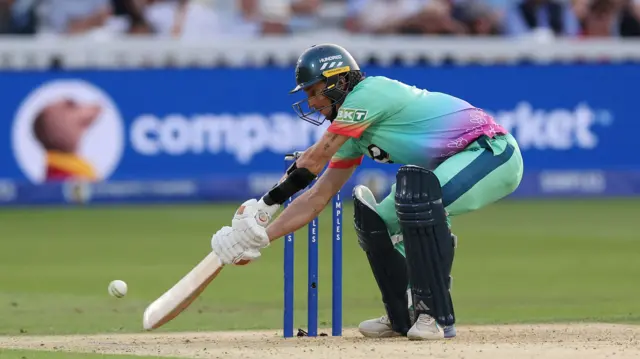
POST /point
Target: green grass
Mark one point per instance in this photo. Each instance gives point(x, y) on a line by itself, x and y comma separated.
point(34, 354)
point(516, 262)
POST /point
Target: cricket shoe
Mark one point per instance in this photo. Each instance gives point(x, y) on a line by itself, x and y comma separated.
point(378, 328)
point(426, 328)
point(381, 328)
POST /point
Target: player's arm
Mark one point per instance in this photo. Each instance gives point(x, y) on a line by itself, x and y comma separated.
point(359, 113)
point(309, 204)
point(306, 168)
point(317, 157)
point(242, 242)
point(250, 231)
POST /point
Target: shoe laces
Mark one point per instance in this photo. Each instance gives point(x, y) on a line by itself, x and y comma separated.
point(425, 319)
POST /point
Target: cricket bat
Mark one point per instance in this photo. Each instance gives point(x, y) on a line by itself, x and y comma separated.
point(178, 298)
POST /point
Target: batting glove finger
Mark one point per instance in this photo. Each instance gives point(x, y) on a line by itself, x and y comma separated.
point(251, 234)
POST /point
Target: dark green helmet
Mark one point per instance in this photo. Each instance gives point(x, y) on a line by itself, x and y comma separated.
point(328, 63)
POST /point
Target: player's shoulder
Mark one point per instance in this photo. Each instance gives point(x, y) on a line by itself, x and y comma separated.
point(370, 81)
point(372, 85)
point(384, 84)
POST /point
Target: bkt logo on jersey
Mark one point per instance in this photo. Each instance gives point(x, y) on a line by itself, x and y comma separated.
point(351, 115)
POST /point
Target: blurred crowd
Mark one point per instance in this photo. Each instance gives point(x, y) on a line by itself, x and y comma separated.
point(209, 19)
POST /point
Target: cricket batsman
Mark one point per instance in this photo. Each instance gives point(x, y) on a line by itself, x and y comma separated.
point(455, 159)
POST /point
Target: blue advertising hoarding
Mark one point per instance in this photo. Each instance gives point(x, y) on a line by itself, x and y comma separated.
point(220, 134)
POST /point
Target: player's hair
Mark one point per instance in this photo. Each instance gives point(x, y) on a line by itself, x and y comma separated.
point(352, 78)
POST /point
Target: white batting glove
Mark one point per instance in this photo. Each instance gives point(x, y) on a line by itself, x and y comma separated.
point(250, 234)
point(258, 210)
point(250, 220)
point(269, 209)
point(227, 245)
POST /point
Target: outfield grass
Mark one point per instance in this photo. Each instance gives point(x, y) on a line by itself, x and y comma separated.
point(516, 262)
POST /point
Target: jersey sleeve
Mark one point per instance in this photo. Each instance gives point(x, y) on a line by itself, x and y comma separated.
point(347, 156)
point(357, 113)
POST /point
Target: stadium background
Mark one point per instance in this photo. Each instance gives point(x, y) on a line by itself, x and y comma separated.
point(198, 116)
point(210, 118)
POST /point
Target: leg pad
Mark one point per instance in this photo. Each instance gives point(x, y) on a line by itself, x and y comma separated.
point(388, 265)
point(428, 242)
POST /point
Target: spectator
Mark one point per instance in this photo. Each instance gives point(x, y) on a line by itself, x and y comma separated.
point(630, 22)
point(499, 5)
point(254, 17)
point(274, 16)
point(378, 16)
point(6, 21)
point(73, 16)
point(580, 8)
point(183, 19)
point(304, 15)
point(609, 18)
point(477, 16)
point(402, 17)
point(634, 6)
point(130, 15)
point(530, 16)
point(24, 16)
point(601, 19)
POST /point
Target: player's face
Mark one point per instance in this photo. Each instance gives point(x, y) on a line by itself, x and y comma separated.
point(67, 121)
point(317, 100)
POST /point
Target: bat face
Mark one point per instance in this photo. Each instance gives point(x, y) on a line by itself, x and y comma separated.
point(182, 294)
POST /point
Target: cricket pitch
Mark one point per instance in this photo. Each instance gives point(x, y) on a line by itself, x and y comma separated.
point(549, 341)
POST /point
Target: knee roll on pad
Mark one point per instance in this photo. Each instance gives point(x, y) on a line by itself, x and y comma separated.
point(372, 232)
point(388, 265)
point(428, 241)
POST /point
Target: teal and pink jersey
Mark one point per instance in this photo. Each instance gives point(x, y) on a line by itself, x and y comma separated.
point(393, 122)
